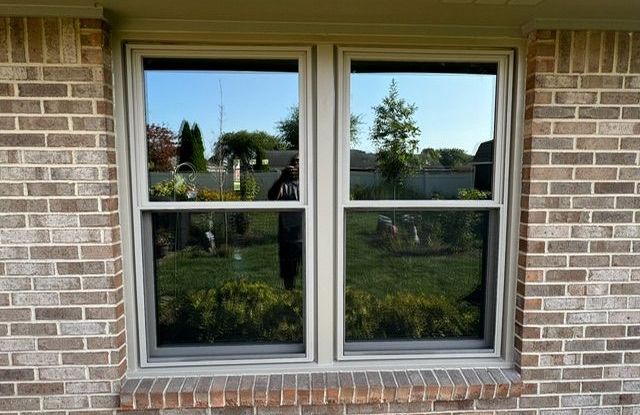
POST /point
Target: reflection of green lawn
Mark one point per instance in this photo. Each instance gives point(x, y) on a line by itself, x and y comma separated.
point(370, 267)
point(255, 258)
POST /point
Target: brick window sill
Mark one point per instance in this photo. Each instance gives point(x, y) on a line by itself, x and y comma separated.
point(321, 388)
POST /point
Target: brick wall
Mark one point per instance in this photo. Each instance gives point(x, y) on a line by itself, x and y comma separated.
point(61, 309)
point(61, 312)
point(578, 303)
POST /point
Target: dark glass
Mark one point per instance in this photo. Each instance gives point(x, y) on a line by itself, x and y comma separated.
point(228, 277)
point(416, 275)
point(221, 129)
point(433, 139)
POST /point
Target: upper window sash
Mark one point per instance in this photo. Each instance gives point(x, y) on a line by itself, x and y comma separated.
point(502, 126)
point(138, 120)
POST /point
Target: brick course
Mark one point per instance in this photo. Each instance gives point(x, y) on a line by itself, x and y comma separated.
point(61, 310)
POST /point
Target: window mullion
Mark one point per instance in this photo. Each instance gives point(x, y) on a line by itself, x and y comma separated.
point(325, 197)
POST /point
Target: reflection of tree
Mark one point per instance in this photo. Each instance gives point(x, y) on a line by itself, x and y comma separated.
point(394, 134)
point(248, 147)
point(445, 157)
point(161, 148)
point(289, 126)
point(192, 147)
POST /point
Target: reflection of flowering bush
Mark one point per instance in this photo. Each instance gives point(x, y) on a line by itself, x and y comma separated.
point(171, 189)
point(178, 189)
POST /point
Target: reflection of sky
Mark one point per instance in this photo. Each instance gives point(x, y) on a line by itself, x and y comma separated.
point(453, 110)
point(252, 101)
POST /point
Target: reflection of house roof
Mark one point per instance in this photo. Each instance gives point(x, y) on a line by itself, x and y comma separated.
point(279, 159)
point(484, 153)
point(362, 161)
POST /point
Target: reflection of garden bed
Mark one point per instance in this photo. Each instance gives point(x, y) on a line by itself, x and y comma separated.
point(251, 311)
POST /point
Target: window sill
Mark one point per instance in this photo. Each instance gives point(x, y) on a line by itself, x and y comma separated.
point(320, 388)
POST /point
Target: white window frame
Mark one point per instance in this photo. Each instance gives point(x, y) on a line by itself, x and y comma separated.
point(323, 97)
point(499, 201)
point(140, 203)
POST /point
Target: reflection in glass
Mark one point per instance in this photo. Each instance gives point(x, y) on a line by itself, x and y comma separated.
point(219, 277)
point(232, 122)
point(421, 130)
point(289, 223)
point(415, 275)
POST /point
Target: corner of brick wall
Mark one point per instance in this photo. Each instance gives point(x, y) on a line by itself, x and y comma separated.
point(578, 301)
point(62, 338)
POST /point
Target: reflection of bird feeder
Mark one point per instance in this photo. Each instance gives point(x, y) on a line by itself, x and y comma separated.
point(236, 175)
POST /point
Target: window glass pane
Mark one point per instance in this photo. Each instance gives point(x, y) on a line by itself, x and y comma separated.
point(224, 278)
point(416, 275)
point(421, 130)
point(221, 130)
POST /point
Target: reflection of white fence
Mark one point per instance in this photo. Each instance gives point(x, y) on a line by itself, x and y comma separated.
point(445, 183)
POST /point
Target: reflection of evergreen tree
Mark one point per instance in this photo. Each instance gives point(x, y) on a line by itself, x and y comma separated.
point(199, 161)
point(192, 147)
point(185, 152)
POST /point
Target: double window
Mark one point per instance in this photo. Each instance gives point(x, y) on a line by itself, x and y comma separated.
point(225, 164)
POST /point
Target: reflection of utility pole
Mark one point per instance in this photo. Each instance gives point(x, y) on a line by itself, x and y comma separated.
point(221, 165)
point(220, 153)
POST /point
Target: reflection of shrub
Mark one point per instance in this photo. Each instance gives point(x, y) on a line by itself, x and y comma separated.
point(241, 310)
point(383, 191)
point(208, 195)
point(458, 230)
point(473, 194)
point(249, 186)
point(416, 316)
point(461, 229)
point(361, 315)
point(406, 315)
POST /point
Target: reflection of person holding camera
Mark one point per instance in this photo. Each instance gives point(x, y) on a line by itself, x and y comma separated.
point(289, 223)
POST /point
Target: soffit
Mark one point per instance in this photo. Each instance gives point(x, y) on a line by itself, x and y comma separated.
point(330, 15)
